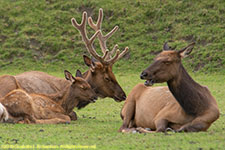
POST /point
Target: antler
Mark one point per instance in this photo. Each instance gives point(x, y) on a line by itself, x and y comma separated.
point(107, 56)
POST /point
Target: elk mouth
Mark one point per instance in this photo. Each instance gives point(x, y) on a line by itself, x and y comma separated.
point(149, 82)
point(119, 99)
point(93, 100)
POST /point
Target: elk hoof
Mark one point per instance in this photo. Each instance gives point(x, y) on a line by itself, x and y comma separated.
point(148, 129)
point(170, 129)
point(67, 122)
point(129, 130)
point(73, 116)
point(142, 130)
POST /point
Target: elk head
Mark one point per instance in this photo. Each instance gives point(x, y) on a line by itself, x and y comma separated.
point(166, 65)
point(100, 75)
point(80, 89)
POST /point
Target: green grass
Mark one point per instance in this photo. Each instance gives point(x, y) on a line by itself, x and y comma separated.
point(98, 124)
point(37, 34)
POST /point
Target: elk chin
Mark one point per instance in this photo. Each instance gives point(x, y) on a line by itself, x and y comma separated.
point(119, 99)
point(94, 99)
point(149, 82)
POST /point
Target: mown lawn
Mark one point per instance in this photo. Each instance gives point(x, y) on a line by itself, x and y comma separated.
point(98, 124)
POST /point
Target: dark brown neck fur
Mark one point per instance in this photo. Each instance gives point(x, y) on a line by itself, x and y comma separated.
point(190, 95)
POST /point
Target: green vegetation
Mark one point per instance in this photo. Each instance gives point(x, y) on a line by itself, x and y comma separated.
point(38, 35)
point(98, 124)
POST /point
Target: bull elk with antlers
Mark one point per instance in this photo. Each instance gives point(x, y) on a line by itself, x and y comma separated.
point(99, 74)
point(183, 106)
point(40, 108)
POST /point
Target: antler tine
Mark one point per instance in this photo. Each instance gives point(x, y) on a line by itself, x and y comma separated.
point(113, 60)
point(105, 55)
point(123, 53)
point(97, 26)
point(107, 36)
point(118, 55)
point(82, 29)
point(113, 50)
point(106, 58)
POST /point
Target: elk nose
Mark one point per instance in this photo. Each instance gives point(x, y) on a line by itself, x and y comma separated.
point(124, 97)
point(143, 75)
point(95, 97)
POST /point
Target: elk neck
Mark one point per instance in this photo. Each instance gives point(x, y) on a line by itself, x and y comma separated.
point(69, 100)
point(190, 95)
point(88, 77)
point(65, 98)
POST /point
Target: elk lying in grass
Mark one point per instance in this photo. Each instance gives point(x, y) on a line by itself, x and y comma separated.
point(183, 106)
point(99, 74)
point(39, 108)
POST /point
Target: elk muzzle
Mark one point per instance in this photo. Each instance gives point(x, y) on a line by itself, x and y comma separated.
point(148, 77)
point(121, 96)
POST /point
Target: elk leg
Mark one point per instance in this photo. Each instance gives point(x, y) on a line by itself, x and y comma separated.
point(142, 130)
point(200, 123)
point(127, 114)
point(129, 130)
point(194, 127)
point(161, 125)
point(60, 118)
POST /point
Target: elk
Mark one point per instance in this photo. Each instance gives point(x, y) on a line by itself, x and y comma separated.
point(183, 106)
point(42, 108)
point(3, 113)
point(99, 75)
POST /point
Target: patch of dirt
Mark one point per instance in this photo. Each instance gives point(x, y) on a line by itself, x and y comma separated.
point(199, 66)
point(154, 52)
point(108, 14)
point(88, 9)
point(127, 55)
point(202, 42)
point(2, 38)
point(189, 38)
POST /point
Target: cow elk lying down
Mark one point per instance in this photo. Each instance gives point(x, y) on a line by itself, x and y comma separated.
point(43, 109)
point(183, 106)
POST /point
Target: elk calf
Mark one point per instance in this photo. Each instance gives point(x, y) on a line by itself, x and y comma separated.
point(39, 108)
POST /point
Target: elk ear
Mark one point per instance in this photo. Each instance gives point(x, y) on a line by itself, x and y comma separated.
point(166, 47)
point(78, 73)
point(69, 76)
point(88, 61)
point(186, 51)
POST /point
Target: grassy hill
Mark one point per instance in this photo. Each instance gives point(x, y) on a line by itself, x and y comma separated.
point(39, 35)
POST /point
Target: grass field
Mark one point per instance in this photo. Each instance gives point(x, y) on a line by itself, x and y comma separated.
point(98, 124)
point(38, 35)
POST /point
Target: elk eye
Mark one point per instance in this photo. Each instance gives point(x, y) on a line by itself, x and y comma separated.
point(107, 79)
point(83, 88)
point(167, 62)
